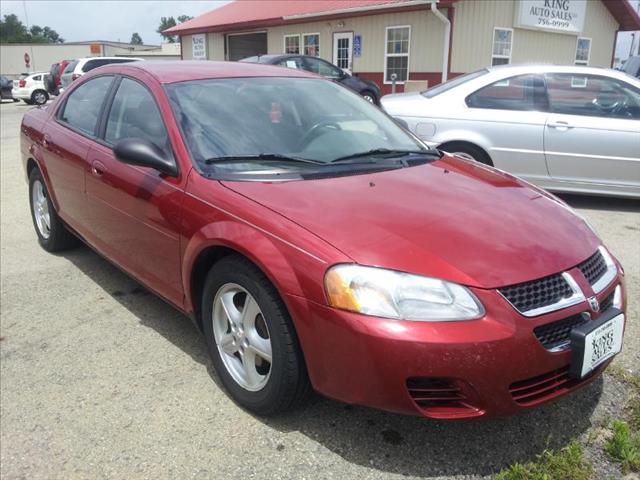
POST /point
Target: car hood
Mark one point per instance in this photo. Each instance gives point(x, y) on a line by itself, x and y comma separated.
point(450, 219)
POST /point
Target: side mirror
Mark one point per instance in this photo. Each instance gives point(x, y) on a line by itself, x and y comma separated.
point(142, 152)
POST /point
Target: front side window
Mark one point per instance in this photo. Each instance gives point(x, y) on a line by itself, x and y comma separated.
point(323, 68)
point(134, 114)
point(583, 49)
point(311, 43)
point(397, 54)
point(515, 93)
point(291, 62)
point(502, 46)
point(592, 95)
point(82, 108)
point(298, 117)
point(292, 44)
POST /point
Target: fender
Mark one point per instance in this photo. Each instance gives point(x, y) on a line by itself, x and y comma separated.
point(280, 261)
point(466, 136)
point(31, 149)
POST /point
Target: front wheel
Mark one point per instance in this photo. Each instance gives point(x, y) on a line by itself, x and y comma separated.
point(369, 97)
point(52, 233)
point(39, 97)
point(251, 338)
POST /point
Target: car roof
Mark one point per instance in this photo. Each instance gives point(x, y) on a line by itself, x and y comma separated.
point(546, 68)
point(171, 71)
point(276, 56)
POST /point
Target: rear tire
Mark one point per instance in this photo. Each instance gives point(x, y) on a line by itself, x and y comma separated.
point(28, 102)
point(369, 97)
point(281, 383)
point(53, 235)
point(468, 151)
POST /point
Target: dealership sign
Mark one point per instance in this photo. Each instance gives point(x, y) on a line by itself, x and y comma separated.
point(199, 46)
point(561, 16)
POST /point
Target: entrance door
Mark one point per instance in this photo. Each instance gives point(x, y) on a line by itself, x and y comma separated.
point(343, 50)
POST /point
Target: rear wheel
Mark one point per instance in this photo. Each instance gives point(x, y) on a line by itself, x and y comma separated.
point(52, 233)
point(468, 151)
point(39, 97)
point(251, 338)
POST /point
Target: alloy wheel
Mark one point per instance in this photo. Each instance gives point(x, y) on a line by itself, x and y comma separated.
point(242, 337)
point(40, 205)
point(40, 98)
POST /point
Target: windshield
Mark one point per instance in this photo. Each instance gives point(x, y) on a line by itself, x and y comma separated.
point(261, 120)
point(446, 86)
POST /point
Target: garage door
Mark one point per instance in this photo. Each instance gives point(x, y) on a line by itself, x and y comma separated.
point(246, 45)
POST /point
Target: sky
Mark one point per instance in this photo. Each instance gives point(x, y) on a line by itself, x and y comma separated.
point(105, 20)
point(117, 20)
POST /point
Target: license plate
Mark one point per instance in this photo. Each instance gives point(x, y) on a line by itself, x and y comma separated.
point(593, 343)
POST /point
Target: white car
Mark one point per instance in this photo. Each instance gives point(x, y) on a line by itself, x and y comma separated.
point(79, 67)
point(566, 129)
point(30, 88)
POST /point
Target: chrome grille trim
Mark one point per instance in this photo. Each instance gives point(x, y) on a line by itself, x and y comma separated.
point(611, 273)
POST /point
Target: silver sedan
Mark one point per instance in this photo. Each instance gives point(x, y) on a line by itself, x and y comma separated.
point(566, 129)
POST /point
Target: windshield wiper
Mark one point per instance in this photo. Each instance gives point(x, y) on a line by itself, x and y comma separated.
point(262, 156)
point(380, 151)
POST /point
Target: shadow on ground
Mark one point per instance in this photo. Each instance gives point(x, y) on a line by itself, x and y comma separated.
point(593, 202)
point(378, 440)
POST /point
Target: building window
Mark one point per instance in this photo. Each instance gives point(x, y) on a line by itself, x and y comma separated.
point(396, 56)
point(311, 43)
point(502, 46)
point(583, 50)
point(292, 44)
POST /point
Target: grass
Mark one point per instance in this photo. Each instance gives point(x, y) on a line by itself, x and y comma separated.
point(624, 447)
point(567, 463)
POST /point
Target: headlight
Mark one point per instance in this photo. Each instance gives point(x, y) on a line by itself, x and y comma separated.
point(391, 294)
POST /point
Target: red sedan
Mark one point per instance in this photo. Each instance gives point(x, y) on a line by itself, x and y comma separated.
point(317, 244)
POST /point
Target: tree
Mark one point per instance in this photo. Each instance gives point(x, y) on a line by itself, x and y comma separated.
point(168, 22)
point(136, 39)
point(12, 30)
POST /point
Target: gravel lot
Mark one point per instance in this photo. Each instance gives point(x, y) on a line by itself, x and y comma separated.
point(100, 379)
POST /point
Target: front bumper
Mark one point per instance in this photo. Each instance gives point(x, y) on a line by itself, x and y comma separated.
point(491, 366)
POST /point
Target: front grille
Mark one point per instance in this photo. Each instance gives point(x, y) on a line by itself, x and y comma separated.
point(594, 267)
point(547, 386)
point(556, 334)
point(538, 293)
point(439, 397)
point(607, 303)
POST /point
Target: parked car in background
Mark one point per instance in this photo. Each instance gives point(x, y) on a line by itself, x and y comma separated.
point(79, 67)
point(31, 89)
point(5, 89)
point(567, 129)
point(318, 244)
point(632, 66)
point(54, 79)
point(367, 88)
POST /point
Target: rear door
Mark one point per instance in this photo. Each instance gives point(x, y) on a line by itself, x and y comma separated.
point(66, 142)
point(136, 210)
point(593, 132)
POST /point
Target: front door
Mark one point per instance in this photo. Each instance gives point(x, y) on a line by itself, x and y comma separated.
point(136, 210)
point(343, 50)
point(592, 136)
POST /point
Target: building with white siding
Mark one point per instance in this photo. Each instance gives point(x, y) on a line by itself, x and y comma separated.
point(421, 41)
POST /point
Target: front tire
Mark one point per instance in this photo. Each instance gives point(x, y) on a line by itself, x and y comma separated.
point(39, 97)
point(369, 97)
point(52, 234)
point(251, 338)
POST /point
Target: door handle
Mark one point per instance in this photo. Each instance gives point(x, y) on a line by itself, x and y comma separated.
point(97, 168)
point(559, 124)
point(45, 142)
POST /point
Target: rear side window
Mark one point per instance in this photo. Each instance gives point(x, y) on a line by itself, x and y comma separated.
point(524, 92)
point(134, 114)
point(592, 95)
point(37, 78)
point(82, 108)
point(323, 68)
point(71, 67)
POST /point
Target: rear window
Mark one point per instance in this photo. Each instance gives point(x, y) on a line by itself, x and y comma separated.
point(99, 62)
point(71, 67)
point(446, 86)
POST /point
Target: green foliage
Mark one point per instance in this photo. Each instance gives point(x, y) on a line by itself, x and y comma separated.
point(136, 39)
point(567, 463)
point(624, 446)
point(12, 30)
point(168, 22)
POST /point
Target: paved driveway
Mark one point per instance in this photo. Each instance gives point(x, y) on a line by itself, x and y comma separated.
point(100, 379)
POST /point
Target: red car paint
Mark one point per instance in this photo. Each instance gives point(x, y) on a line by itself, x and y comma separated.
point(449, 219)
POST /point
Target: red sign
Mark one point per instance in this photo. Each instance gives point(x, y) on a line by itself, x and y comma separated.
point(95, 48)
point(27, 59)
